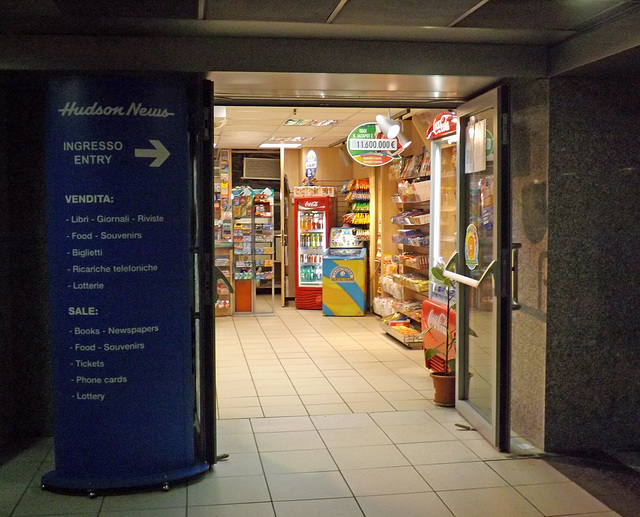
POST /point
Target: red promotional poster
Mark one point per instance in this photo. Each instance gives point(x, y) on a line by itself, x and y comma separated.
point(444, 124)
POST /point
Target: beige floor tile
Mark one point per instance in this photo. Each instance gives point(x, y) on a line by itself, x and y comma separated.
point(312, 381)
point(238, 402)
point(485, 450)
point(239, 464)
point(415, 433)
point(327, 398)
point(305, 374)
point(328, 409)
point(369, 407)
point(289, 441)
point(155, 512)
point(275, 391)
point(342, 421)
point(320, 389)
point(244, 442)
point(233, 427)
point(299, 410)
point(460, 476)
point(422, 504)
point(344, 507)
point(232, 510)
point(281, 425)
point(561, 498)
point(401, 395)
point(283, 400)
point(527, 472)
point(408, 405)
point(488, 502)
point(174, 498)
point(227, 392)
point(259, 368)
point(379, 481)
point(270, 383)
point(227, 490)
point(247, 412)
point(349, 458)
point(283, 462)
point(341, 373)
point(307, 485)
point(437, 452)
point(369, 396)
point(36, 501)
point(269, 376)
point(354, 437)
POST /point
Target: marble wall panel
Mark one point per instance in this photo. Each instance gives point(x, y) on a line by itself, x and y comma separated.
point(529, 172)
point(593, 345)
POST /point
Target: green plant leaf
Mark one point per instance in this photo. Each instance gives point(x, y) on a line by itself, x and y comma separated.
point(425, 331)
point(430, 353)
point(452, 365)
point(472, 333)
point(437, 273)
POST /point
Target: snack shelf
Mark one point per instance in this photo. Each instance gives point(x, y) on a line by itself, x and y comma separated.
point(409, 340)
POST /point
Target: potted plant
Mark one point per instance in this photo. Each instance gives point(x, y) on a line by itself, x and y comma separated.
point(444, 381)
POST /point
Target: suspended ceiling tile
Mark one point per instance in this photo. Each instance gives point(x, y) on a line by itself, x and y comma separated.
point(298, 131)
point(432, 13)
point(309, 11)
point(178, 9)
point(534, 14)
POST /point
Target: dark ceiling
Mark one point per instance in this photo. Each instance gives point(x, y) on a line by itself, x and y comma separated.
point(445, 40)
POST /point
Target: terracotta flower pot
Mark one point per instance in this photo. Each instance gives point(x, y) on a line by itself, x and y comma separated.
point(445, 386)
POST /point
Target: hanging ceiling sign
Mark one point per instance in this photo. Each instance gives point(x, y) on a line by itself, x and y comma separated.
point(311, 165)
point(444, 124)
point(368, 146)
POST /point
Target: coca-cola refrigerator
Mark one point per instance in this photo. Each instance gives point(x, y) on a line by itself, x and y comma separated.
point(314, 216)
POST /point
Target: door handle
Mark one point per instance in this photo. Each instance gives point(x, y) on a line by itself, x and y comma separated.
point(471, 282)
point(219, 275)
point(515, 305)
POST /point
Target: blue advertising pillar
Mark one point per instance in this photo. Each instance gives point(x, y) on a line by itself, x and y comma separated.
point(118, 203)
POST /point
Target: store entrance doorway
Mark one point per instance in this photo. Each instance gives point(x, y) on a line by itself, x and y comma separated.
point(483, 400)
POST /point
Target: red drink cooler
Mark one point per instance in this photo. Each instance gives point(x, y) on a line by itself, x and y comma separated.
point(314, 216)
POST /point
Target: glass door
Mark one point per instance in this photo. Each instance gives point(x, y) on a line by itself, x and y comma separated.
point(482, 267)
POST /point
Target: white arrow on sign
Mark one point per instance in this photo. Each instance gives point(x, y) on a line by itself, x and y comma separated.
point(160, 153)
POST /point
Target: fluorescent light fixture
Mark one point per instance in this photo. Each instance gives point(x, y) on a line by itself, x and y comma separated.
point(280, 146)
point(389, 127)
point(288, 139)
point(452, 139)
point(403, 141)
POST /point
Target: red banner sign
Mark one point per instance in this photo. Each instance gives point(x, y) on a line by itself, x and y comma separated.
point(444, 124)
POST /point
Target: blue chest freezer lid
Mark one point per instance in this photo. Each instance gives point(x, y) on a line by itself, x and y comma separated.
point(345, 254)
point(344, 238)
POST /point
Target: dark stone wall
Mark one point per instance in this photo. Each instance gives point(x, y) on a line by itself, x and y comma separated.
point(25, 375)
point(529, 181)
point(593, 344)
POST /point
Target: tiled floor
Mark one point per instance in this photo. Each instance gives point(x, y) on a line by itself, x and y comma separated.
point(325, 417)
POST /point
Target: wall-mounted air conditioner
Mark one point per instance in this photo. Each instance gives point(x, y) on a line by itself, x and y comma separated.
point(261, 169)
